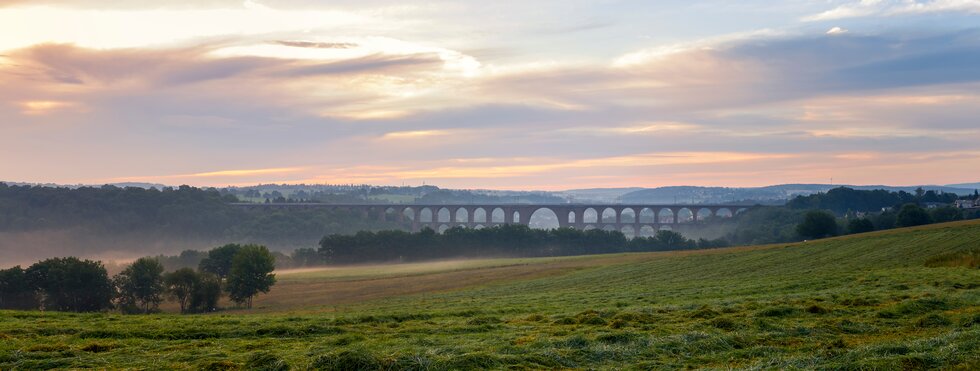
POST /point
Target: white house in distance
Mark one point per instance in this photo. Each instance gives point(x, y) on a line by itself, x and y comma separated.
point(967, 204)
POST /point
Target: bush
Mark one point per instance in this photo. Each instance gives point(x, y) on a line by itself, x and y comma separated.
point(912, 215)
point(817, 224)
point(861, 225)
point(946, 214)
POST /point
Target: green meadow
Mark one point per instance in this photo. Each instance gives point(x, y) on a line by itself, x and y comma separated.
point(899, 299)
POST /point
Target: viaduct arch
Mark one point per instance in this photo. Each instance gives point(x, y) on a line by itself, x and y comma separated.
point(631, 217)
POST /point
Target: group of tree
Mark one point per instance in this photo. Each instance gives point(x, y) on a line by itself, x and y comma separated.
point(503, 240)
point(172, 215)
point(75, 285)
point(823, 223)
point(842, 200)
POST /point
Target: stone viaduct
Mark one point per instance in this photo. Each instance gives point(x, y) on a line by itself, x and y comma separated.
point(632, 219)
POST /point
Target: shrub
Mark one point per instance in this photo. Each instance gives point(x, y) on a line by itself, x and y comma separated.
point(817, 224)
point(912, 215)
point(860, 225)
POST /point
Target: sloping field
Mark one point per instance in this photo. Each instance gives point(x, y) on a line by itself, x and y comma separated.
point(863, 301)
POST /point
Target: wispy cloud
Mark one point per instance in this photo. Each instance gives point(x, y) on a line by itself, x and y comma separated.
point(865, 8)
point(390, 93)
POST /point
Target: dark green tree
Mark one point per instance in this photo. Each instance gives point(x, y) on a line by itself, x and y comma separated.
point(16, 292)
point(946, 214)
point(180, 285)
point(306, 257)
point(817, 224)
point(251, 274)
point(219, 260)
point(206, 294)
point(912, 215)
point(71, 284)
point(860, 225)
point(670, 240)
point(140, 286)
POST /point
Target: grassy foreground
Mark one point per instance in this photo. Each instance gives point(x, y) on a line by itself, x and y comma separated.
point(863, 301)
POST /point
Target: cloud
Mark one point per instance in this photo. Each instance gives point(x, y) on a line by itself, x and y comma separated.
point(316, 45)
point(770, 106)
point(836, 31)
point(866, 8)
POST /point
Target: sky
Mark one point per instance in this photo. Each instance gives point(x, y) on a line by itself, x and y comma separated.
point(504, 94)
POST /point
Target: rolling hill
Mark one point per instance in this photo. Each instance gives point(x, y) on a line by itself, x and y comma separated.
point(906, 298)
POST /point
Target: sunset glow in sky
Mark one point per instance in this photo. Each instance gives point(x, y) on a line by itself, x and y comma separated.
point(500, 94)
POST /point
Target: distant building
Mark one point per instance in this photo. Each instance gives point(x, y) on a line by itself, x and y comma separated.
point(967, 204)
point(933, 205)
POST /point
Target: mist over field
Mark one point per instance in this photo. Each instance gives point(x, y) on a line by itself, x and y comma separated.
point(24, 248)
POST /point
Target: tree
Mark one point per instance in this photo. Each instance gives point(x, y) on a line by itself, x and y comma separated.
point(817, 224)
point(912, 215)
point(251, 273)
point(860, 225)
point(205, 296)
point(946, 214)
point(140, 286)
point(71, 284)
point(16, 292)
point(180, 286)
point(306, 257)
point(219, 260)
point(671, 240)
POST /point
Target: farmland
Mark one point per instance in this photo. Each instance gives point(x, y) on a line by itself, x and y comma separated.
point(906, 298)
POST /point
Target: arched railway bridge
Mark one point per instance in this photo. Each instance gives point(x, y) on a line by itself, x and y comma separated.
point(621, 217)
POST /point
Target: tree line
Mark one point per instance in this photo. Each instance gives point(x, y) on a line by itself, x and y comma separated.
point(822, 223)
point(842, 200)
point(177, 215)
point(759, 225)
point(840, 211)
point(75, 285)
point(503, 240)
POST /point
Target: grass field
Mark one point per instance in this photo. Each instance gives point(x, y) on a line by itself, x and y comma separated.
point(902, 299)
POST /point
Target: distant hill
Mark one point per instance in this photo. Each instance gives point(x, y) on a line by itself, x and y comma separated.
point(596, 194)
point(965, 185)
point(775, 194)
point(76, 186)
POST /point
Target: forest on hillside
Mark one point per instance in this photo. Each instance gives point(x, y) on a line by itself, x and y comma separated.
point(38, 222)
